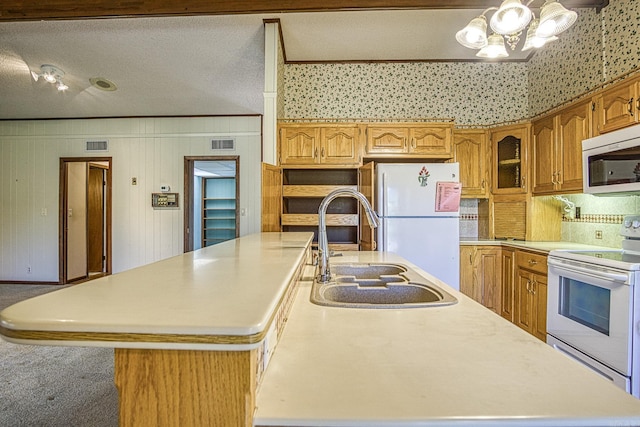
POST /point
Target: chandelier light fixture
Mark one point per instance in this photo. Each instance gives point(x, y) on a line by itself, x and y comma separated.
point(507, 24)
point(51, 74)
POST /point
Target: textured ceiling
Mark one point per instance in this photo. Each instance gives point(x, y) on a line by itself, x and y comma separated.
point(205, 65)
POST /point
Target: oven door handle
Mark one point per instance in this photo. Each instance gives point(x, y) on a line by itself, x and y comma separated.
point(616, 277)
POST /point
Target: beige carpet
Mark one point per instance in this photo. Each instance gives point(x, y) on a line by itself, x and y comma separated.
point(54, 386)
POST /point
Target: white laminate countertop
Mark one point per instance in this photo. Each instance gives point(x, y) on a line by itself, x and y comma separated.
point(459, 365)
point(543, 246)
point(231, 289)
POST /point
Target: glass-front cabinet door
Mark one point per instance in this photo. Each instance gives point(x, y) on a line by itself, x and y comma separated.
point(510, 159)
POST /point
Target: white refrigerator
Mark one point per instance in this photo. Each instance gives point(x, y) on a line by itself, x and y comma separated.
point(419, 222)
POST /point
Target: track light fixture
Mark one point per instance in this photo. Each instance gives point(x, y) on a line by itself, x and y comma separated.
point(52, 75)
point(509, 21)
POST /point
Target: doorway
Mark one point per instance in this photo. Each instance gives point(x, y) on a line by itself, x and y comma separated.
point(85, 219)
point(212, 199)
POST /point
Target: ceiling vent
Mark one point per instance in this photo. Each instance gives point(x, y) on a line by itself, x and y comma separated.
point(97, 146)
point(223, 144)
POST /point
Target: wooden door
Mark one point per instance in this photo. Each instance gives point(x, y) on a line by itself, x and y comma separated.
point(430, 140)
point(544, 156)
point(95, 219)
point(366, 185)
point(539, 290)
point(616, 107)
point(299, 145)
point(271, 197)
point(340, 145)
point(507, 283)
point(387, 139)
point(524, 309)
point(574, 125)
point(470, 151)
point(488, 263)
point(468, 284)
point(510, 161)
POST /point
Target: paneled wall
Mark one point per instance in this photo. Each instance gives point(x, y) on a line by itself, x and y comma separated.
point(149, 149)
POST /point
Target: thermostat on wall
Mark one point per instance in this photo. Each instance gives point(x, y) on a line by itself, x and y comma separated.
point(164, 200)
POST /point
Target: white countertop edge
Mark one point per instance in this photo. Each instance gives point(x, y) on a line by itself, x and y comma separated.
point(24, 320)
point(525, 421)
point(137, 345)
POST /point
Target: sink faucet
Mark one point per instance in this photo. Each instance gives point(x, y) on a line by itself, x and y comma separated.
point(324, 274)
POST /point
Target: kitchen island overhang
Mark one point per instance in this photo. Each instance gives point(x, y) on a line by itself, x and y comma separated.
point(222, 297)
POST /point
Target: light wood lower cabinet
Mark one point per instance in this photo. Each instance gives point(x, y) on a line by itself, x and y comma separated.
point(480, 273)
point(530, 293)
point(508, 261)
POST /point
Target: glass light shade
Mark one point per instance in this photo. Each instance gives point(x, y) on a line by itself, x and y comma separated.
point(50, 78)
point(512, 17)
point(494, 48)
point(61, 86)
point(474, 35)
point(534, 41)
point(554, 19)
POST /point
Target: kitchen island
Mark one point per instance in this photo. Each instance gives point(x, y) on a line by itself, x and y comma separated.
point(191, 333)
point(458, 365)
point(194, 332)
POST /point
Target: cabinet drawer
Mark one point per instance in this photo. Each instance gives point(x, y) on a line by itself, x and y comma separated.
point(531, 261)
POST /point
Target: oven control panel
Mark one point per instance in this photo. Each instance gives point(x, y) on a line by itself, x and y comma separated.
point(631, 226)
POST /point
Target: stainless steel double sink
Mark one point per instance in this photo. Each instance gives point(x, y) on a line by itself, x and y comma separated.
point(378, 285)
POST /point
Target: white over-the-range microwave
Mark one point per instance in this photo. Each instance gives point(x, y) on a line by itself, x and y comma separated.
point(611, 162)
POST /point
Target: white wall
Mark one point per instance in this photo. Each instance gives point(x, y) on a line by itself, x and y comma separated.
point(150, 149)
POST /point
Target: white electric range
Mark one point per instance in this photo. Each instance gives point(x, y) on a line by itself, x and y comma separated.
point(593, 307)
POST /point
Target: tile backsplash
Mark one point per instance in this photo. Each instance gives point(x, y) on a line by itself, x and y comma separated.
point(598, 214)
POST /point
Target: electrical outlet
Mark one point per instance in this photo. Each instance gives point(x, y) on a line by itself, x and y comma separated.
point(134, 181)
point(29, 269)
point(598, 234)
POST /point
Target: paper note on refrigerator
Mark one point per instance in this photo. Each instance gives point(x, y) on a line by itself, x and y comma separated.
point(448, 196)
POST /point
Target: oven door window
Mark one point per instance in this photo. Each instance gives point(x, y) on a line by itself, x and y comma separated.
point(586, 304)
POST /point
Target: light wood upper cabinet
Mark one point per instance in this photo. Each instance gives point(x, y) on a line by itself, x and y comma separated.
point(574, 125)
point(387, 140)
point(299, 145)
point(307, 145)
point(557, 149)
point(433, 140)
point(430, 140)
point(340, 145)
point(544, 156)
point(510, 146)
point(618, 106)
point(470, 149)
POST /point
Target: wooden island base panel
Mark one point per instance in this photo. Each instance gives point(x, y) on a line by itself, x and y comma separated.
point(185, 387)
